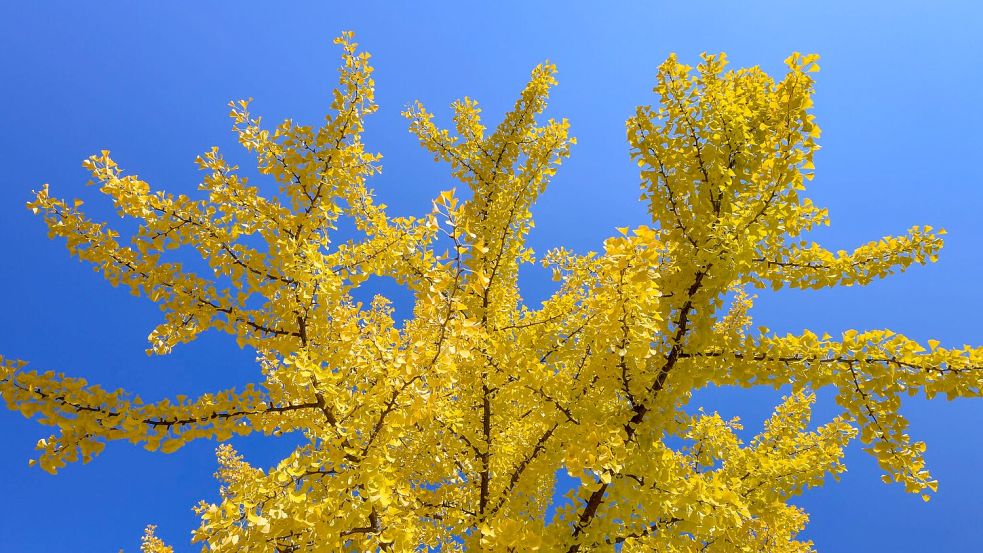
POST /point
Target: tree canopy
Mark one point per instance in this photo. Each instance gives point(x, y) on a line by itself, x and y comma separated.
point(446, 431)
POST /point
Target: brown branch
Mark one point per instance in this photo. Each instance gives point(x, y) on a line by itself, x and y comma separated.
point(640, 410)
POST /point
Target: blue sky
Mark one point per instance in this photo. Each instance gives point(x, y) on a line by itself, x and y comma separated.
point(898, 100)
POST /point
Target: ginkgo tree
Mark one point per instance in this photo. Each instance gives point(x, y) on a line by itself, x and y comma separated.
point(446, 431)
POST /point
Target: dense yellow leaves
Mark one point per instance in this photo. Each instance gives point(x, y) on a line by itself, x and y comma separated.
point(446, 431)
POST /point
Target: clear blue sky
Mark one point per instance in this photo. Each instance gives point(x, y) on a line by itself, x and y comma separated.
point(898, 99)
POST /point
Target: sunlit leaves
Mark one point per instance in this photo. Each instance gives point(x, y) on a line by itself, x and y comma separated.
point(447, 430)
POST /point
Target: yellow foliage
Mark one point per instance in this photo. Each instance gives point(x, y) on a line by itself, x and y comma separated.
point(446, 431)
point(150, 543)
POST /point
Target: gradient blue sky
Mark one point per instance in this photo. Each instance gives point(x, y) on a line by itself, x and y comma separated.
point(898, 99)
